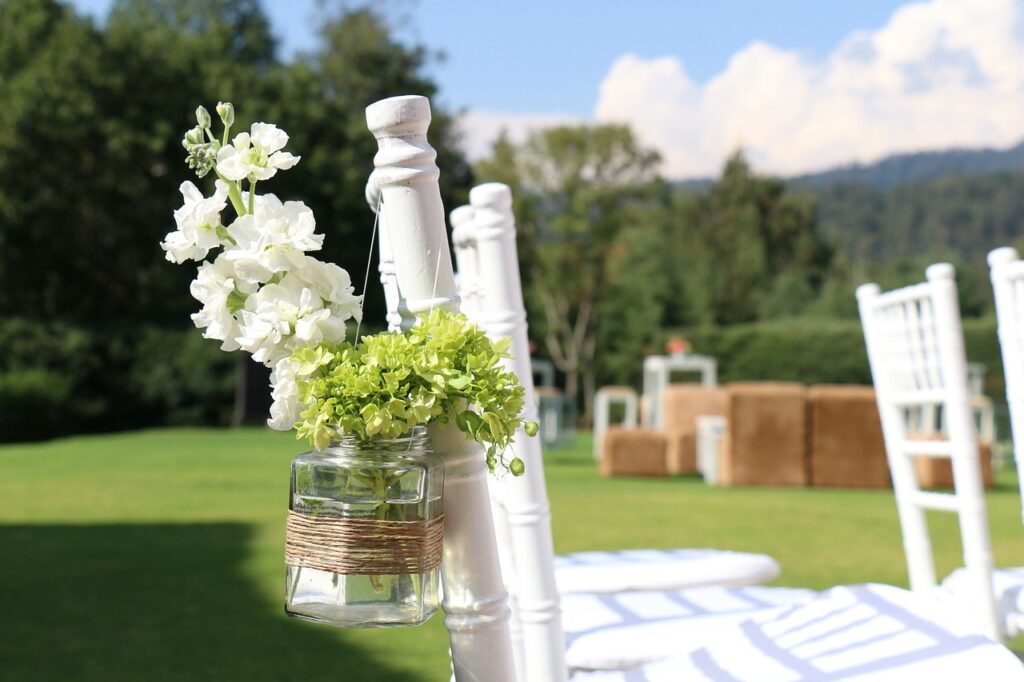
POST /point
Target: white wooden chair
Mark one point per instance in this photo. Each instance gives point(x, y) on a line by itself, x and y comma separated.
point(405, 184)
point(591, 584)
point(418, 276)
point(915, 347)
point(878, 632)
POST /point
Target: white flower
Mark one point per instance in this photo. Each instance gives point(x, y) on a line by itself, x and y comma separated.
point(180, 248)
point(255, 155)
point(280, 318)
point(286, 408)
point(334, 286)
point(220, 292)
point(272, 239)
point(197, 221)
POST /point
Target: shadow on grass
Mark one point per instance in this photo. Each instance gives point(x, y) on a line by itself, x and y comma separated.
point(154, 602)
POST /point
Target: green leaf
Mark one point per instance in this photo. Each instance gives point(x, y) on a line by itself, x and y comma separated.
point(444, 368)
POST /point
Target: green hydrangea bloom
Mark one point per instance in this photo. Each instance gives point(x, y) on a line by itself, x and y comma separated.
point(445, 368)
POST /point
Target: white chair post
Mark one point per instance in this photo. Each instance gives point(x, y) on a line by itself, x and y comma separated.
point(467, 279)
point(475, 601)
point(916, 543)
point(464, 243)
point(1007, 272)
point(963, 438)
point(915, 347)
point(386, 259)
point(525, 498)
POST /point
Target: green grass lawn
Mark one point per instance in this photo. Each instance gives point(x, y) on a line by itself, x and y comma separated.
point(158, 555)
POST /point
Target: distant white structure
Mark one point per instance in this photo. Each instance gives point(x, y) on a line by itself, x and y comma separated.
point(658, 371)
point(604, 399)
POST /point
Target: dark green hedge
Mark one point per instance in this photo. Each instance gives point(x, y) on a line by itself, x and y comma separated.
point(58, 379)
point(819, 351)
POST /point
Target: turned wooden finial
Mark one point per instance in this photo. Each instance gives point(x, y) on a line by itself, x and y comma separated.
point(415, 219)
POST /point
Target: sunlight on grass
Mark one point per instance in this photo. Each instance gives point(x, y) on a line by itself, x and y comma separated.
point(161, 551)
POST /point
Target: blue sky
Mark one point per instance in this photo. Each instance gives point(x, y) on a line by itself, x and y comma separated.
point(536, 56)
point(800, 85)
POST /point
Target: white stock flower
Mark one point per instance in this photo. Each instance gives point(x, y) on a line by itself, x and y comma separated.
point(334, 286)
point(280, 318)
point(255, 155)
point(180, 248)
point(220, 292)
point(286, 408)
point(272, 239)
point(197, 221)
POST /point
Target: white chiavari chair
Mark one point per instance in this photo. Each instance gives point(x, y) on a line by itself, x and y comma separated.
point(405, 184)
point(618, 608)
point(878, 632)
point(915, 347)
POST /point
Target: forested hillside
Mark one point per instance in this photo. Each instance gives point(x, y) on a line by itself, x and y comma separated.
point(901, 169)
point(966, 215)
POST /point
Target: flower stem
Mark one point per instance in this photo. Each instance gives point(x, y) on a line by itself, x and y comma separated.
point(383, 509)
point(234, 195)
point(252, 195)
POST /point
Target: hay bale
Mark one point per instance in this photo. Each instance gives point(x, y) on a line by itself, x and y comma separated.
point(937, 472)
point(846, 447)
point(683, 404)
point(633, 452)
point(767, 443)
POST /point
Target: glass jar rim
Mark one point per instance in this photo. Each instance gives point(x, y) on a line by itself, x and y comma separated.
point(410, 438)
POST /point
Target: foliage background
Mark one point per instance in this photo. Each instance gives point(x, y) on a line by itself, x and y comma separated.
point(755, 270)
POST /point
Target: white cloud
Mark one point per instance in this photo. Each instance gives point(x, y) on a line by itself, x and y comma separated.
point(480, 129)
point(939, 74)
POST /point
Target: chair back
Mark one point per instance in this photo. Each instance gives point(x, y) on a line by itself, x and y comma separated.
point(489, 277)
point(915, 347)
point(405, 183)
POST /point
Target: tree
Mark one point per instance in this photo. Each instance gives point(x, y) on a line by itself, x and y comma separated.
point(90, 152)
point(751, 250)
point(90, 141)
point(91, 156)
point(638, 291)
point(576, 187)
point(321, 100)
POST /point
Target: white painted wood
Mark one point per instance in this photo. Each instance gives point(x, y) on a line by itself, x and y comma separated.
point(467, 279)
point(915, 346)
point(475, 601)
point(1007, 272)
point(525, 498)
point(386, 258)
point(464, 242)
point(658, 371)
point(604, 398)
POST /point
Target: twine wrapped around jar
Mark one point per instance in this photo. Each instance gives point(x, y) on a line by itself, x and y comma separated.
point(363, 546)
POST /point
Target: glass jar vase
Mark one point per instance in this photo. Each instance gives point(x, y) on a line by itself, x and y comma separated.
point(363, 544)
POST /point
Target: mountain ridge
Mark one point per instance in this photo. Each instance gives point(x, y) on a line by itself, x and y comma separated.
point(902, 169)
